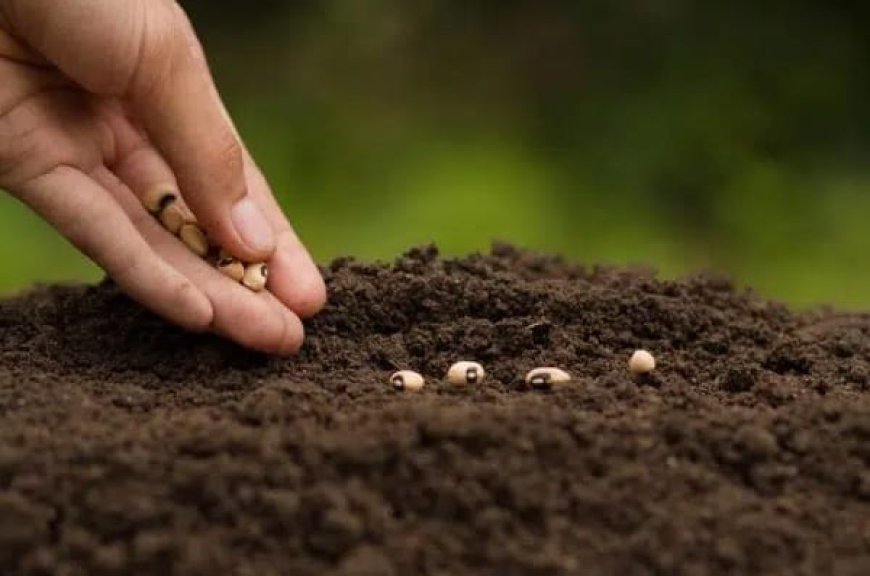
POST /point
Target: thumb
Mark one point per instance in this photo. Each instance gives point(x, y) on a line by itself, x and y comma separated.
point(140, 50)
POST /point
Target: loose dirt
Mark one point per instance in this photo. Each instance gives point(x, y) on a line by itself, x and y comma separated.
point(127, 446)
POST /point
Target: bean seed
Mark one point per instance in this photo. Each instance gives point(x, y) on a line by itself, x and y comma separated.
point(465, 373)
point(256, 276)
point(232, 268)
point(642, 362)
point(159, 197)
point(174, 216)
point(407, 381)
point(194, 238)
point(545, 378)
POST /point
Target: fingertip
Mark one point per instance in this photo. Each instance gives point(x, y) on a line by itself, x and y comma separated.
point(296, 280)
point(294, 336)
point(312, 297)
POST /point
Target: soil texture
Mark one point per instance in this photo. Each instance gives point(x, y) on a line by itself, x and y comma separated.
point(130, 447)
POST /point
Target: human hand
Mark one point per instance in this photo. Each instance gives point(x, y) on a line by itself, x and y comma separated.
point(100, 100)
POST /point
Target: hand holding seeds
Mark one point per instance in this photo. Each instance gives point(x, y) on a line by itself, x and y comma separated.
point(164, 203)
point(99, 149)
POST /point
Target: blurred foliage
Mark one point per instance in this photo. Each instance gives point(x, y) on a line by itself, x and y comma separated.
point(686, 135)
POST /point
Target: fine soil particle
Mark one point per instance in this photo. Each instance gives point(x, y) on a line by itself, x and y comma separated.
point(127, 446)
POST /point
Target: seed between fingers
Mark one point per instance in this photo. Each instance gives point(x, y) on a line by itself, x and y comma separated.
point(256, 276)
point(162, 201)
point(194, 238)
point(159, 197)
point(231, 268)
point(174, 216)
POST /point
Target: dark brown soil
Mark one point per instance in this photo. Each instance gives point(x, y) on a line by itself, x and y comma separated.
point(127, 446)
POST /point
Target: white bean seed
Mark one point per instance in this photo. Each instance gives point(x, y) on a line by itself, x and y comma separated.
point(465, 373)
point(256, 276)
point(231, 268)
point(194, 238)
point(174, 216)
point(545, 378)
point(407, 381)
point(642, 362)
point(159, 197)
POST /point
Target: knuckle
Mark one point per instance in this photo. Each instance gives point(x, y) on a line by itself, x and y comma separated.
point(27, 148)
point(228, 155)
point(161, 45)
point(181, 293)
point(127, 268)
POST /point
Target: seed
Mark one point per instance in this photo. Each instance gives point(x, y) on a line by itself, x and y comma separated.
point(194, 238)
point(174, 216)
point(642, 362)
point(465, 373)
point(256, 276)
point(407, 381)
point(159, 197)
point(232, 268)
point(544, 378)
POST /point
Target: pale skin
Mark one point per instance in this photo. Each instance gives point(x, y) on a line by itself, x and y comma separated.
point(101, 100)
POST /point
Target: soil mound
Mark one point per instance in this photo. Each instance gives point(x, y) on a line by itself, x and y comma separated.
point(127, 446)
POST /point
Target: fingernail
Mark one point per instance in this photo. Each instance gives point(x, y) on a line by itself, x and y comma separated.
point(252, 226)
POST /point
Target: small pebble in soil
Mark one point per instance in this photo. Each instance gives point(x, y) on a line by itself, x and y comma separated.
point(231, 268)
point(159, 197)
point(465, 373)
point(194, 238)
point(642, 362)
point(407, 381)
point(256, 276)
point(545, 378)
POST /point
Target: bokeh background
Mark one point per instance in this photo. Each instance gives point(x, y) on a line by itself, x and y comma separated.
point(686, 135)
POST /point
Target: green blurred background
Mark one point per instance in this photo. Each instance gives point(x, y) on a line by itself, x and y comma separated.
point(685, 135)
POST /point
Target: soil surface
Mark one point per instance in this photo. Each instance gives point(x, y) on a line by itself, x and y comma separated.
point(127, 446)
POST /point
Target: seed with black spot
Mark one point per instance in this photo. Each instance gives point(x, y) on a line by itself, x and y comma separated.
point(545, 378)
point(256, 276)
point(407, 381)
point(465, 373)
point(159, 197)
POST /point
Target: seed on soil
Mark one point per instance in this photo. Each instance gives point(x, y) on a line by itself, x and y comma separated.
point(544, 378)
point(174, 216)
point(407, 381)
point(194, 238)
point(231, 268)
point(465, 373)
point(641, 362)
point(255, 276)
point(159, 197)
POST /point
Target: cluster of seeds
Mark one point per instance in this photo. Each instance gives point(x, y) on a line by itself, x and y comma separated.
point(162, 202)
point(465, 372)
